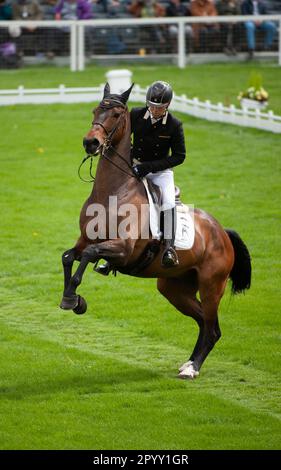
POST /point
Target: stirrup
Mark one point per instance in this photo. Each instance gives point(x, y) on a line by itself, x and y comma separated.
point(103, 269)
point(169, 258)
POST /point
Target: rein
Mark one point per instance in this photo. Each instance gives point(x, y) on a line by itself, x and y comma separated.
point(107, 145)
point(91, 165)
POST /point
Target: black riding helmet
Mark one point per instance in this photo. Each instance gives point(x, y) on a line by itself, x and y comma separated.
point(159, 94)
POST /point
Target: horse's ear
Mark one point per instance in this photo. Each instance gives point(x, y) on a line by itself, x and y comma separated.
point(125, 95)
point(106, 90)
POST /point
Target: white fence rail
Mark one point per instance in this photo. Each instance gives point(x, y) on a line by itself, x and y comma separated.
point(193, 107)
point(81, 30)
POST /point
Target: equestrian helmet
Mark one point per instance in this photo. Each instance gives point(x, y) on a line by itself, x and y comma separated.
point(159, 94)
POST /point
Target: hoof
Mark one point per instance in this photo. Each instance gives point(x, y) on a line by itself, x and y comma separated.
point(186, 364)
point(187, 371)
point(69, 303)
point(81, 307)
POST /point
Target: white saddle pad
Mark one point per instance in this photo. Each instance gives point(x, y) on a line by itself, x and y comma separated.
point(185, 232)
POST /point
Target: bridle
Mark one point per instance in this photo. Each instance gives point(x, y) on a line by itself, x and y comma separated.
point(107, 145)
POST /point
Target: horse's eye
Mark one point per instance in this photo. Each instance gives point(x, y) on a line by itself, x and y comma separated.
point(116, 115)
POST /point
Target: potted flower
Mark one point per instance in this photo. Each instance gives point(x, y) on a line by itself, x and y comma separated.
point(255, 96)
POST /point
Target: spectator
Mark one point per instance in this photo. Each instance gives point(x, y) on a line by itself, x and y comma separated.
point(114, 43)
point(5, 10)
point(104, 4)
point(150, 9)
point(27, 10)
point(31, 38)
point(146, 9)
point(113, 8)
point(176, 8)
point(51, 35)
point(48, 9)
point(203, 33)
point(74, 10)
point(229, 31)
point(256, 7)
point(5, 14)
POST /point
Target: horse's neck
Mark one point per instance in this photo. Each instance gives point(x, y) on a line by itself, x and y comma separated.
point(109, 178)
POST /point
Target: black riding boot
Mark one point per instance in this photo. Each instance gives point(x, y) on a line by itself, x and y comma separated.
point(170, 258)
point(103, 269)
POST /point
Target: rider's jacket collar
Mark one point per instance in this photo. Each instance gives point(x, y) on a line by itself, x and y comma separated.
point(153, 120)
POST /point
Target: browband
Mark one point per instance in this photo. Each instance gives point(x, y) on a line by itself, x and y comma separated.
point(108, 103)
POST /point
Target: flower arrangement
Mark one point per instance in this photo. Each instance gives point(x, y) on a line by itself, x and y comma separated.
point(255, 93)
point(252, 93)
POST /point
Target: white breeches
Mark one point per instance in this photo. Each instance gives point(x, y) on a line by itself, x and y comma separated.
point(165, 179)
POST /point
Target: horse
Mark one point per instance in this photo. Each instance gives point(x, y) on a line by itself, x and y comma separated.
point(194, 287)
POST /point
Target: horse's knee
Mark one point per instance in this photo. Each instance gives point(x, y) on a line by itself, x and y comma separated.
point(68, 257)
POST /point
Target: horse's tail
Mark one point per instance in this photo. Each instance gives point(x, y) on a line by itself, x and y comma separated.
point(242, 269)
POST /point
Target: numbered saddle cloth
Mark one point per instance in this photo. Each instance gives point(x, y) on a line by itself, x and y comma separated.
point(185, 231)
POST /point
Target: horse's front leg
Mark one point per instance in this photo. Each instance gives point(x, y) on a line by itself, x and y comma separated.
point(68, 259)
point(112, 250)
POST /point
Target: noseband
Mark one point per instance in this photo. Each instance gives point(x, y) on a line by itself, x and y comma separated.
point(108, 104)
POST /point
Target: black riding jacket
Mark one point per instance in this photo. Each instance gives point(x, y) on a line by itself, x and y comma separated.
point(153, 142)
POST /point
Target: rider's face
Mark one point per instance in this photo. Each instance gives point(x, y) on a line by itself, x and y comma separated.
point(157, 111)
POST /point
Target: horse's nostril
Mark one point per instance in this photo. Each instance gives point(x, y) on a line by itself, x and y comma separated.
point(91, 145)
point(95, 142)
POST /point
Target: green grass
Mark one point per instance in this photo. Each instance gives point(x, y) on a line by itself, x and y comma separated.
point(107, 380)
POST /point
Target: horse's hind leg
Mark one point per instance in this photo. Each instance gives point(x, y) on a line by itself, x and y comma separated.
point(182, 294)
point(211, 293)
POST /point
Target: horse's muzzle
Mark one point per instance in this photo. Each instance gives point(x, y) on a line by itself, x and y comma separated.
point(91, 146)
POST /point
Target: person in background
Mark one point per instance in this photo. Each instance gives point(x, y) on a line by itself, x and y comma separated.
point(203, 33)
point(176, 8)
point(229, 31)
point(5, 14)
point(31, 38)
point(74, 10)
point(256, 7)
point(150, 9)
point(5, 10)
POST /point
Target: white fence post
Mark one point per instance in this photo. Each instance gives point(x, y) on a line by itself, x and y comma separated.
point(73, 47)
point(81, 46)
point(62, 90)
point(208, 109)
point(181, 45)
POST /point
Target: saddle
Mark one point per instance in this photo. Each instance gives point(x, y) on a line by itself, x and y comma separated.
point(153, 246)
point(156, 193)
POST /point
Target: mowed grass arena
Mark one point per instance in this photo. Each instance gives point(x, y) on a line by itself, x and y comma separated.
point(107, 379)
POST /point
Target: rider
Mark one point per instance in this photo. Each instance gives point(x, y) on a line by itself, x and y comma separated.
point(156, 132)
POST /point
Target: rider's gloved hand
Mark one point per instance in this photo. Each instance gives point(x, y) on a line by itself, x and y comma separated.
point(141, 170)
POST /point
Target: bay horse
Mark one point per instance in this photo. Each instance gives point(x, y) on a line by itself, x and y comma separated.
point(194, 287)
